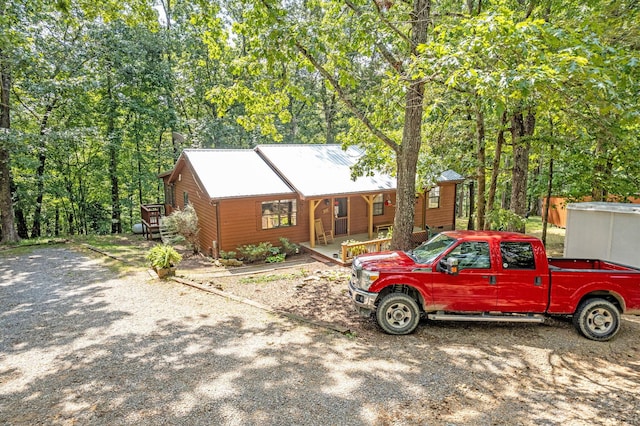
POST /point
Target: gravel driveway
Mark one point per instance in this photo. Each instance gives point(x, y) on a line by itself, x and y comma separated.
point(81, 344)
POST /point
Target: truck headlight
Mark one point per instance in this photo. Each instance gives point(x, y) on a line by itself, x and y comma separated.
point(367, 278)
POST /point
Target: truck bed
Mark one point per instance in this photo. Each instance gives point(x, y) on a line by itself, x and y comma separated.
point(591, 264)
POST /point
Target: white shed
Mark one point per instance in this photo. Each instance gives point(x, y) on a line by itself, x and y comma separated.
point(609, 231)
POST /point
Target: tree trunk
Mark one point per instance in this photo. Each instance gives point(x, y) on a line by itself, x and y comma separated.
point(56, 228)
point(601, 172)
point(521, 144)
point(495, 172)
point(9, 234)
point(481, 172)
point(407, 152)
point(545, 213)
point(329, 109)
point(36, 229)
point(20, 221)
point(114, 145)
point(472, 203)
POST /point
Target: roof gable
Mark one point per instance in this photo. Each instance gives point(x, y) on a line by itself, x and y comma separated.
point(230, 173)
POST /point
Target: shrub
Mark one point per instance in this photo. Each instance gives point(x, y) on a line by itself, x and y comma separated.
point(163, 256)
point(252, 253)
point(227, 254)
point(288, 247)
point(276, 258)
point(184, 223)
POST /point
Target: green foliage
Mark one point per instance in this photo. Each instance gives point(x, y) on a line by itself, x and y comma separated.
point(163, 256)
point(276, 258)
point(288, 247)
point(227, 254)
point(184, 223)
point(251, 253)
point(265, 251)
point(386, 234)
point(501, 220)
point(98, 90)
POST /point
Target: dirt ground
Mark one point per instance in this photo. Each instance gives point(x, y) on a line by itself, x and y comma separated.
point(548, 365)
point(318, 291)
point(83, 336)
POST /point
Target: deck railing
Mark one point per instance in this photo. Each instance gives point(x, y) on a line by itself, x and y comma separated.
point(351, 249)
point(150, 216)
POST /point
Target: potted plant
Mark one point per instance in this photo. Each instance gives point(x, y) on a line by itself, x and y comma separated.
point(164, 259)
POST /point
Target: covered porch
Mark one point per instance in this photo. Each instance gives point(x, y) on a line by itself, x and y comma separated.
point(343, 249)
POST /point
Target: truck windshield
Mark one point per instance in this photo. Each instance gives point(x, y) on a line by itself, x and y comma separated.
point(428, 251)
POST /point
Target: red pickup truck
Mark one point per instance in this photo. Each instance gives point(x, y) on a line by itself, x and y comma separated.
point(492, 276)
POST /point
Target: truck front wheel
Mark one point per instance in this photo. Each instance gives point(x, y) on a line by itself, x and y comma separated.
point(597, 319)
point(398, 313)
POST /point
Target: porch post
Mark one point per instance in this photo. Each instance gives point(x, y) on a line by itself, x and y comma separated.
point(312, 217)
point(369, 200)
point(349, 215)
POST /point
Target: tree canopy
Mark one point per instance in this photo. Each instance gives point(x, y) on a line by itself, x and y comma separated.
point(521, 97)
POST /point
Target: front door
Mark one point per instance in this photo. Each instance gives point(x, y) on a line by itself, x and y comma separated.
point(341, 216)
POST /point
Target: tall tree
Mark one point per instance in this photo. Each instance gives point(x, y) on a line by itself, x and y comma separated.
point(8, 38)
point(365, 52)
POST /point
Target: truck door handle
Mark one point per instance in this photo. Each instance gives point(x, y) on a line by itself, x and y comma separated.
point(492, 279)
point(537, 281)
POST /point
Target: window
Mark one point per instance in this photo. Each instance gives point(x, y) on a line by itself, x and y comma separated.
point(472, 255)
point(169, 195)
point(278, 214)
point(434, 198)
point(185, 198)
point(378, 205)
point(517, 256)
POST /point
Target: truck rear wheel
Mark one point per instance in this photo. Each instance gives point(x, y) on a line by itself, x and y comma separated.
point(398, 313)
point(597, 319)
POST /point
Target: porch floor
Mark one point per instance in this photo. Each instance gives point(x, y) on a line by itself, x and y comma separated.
point(332, 251)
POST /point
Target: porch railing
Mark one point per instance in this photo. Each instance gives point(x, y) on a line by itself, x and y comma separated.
point(354, 248)
point(150, 216)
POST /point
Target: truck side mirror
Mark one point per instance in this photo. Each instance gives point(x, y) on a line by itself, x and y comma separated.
point(452, 266)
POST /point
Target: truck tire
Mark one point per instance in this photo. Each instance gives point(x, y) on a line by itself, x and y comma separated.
point(597, 319)
point(398, 313)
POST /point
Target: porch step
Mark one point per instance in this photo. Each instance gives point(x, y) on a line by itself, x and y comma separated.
point(488, 317)
point(167, 235)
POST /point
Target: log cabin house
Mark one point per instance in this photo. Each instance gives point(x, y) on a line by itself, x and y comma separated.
point(248, 196)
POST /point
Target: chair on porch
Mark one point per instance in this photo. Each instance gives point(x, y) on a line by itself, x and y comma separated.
point(321, 235)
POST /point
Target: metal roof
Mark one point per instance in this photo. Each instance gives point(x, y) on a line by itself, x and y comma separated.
point(228, 173)
point(450, 176)
point(320, 170)
point(310, 170)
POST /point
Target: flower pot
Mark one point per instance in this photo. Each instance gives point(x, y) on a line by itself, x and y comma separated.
point(166, 272)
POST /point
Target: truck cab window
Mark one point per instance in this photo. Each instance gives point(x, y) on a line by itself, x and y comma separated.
point(517, 255)
point(472, 255)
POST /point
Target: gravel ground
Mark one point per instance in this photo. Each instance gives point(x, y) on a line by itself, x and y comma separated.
point(82, 344)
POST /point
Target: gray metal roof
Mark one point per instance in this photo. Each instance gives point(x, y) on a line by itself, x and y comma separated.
point(450, 176)
point(319, 170)
point(311, 170)
point(228, 173)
